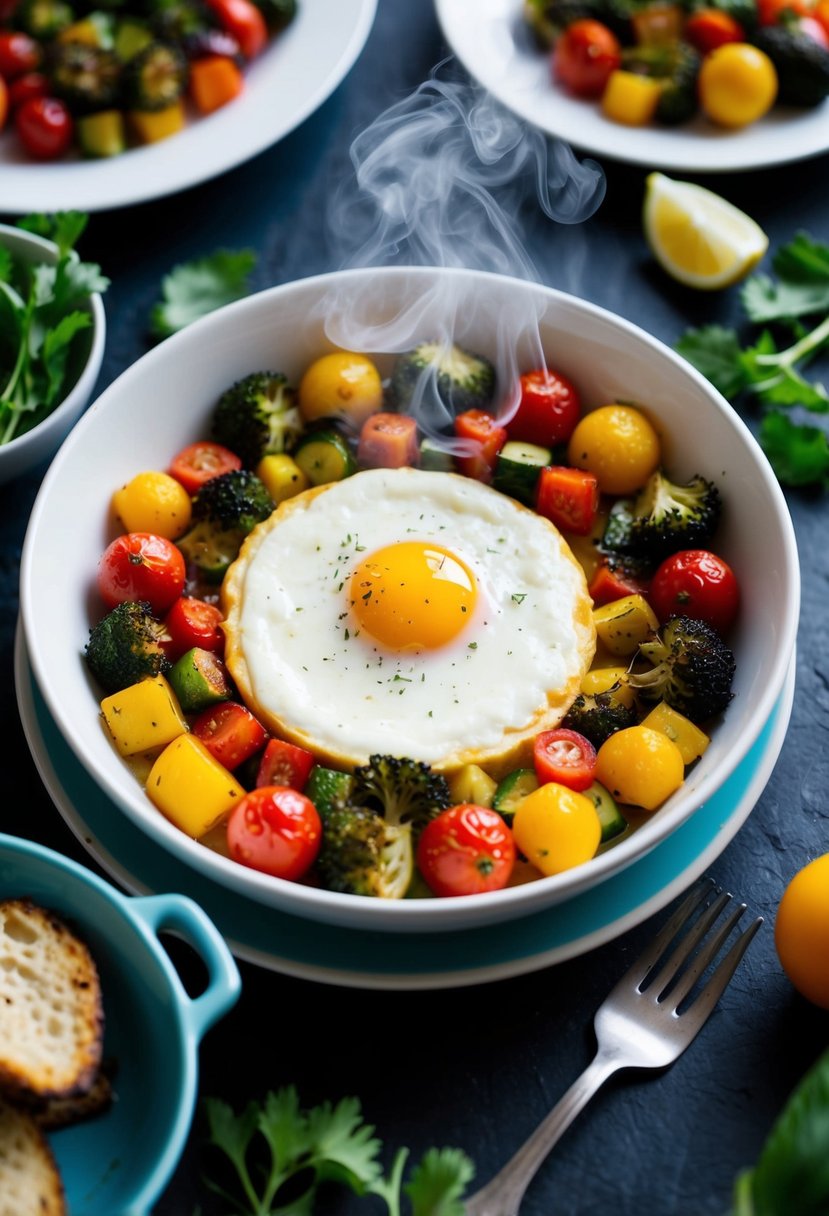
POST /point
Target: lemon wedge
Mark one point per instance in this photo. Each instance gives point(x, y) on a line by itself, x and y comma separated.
point(698, 237)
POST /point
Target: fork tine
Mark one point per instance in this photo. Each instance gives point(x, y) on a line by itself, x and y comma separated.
point(687, 944)
point(713, 990)
point(642, 967)
point(707, 953)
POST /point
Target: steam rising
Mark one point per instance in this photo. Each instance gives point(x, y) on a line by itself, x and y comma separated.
point(442, 178)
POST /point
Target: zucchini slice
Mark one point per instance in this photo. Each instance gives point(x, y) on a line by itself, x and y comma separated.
point(325, 456)
point(610, 817)
point(155, 77)
point(517, 469)
point(512, 790)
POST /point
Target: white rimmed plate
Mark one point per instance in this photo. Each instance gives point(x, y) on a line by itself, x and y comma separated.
point(287, 83)
point(492, 43)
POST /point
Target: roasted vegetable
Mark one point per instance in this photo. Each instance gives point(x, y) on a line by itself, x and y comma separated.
point(801, 63)
point(663, 518)
point(87, 78)
point(155, 78)
point(599, 715)
point(676, 66)
point(126, 646)
point(225, 510)
point(362, 854)
point(444, 375)
point(692, 669)
point(257, 416)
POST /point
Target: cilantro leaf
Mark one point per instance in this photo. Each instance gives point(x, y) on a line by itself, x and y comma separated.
point(343, 1148)
point(800, 289)
point(799, 454)
point(195, 288)
point(715, 351)
point(437, 1184)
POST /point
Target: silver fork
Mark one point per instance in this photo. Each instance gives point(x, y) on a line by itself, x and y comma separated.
point(639, 1025)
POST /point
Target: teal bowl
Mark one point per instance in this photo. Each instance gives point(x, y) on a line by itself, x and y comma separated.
point(119, 1163)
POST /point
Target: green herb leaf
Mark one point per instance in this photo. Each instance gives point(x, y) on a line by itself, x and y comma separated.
point(343, 1148)
point(437, 1184)
point(715, 351)
point(198, 287)
point(801, 288)
point(798, 453)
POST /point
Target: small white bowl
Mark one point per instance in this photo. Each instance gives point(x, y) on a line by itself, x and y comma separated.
point(174, 389)
point(30, 448)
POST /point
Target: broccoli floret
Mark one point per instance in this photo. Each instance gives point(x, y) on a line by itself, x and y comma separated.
point(676, 66)
point(665, 517)
point(403, 791)
point(258, 416)
point(692, 669)
point(361, 854)
point(599, 715)
point(225, 510)
point(125, 646)
point(445, 375)
point(86, 77)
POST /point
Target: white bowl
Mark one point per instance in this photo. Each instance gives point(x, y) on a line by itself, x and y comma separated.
point(173, 390)
point(30, 448)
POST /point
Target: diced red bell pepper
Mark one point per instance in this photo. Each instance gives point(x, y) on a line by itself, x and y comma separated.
point(388, 441)
point(284, 763)
point(486, 438)
point(569, 498)
point(612, 581)
point(230, 733)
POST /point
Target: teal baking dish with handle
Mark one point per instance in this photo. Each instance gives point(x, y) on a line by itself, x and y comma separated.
point(118, 1163)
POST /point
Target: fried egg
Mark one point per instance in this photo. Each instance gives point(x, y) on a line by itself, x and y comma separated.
point(411, 613)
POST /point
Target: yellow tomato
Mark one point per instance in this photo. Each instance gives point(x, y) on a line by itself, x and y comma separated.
point(801, 931)
point(618, 445)
point(556, 828)
point(341, 385)
point(640, 766)
point(153, 502)
point(737, 84)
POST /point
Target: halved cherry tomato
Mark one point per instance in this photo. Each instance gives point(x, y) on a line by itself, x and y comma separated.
point(708, 28)
point(284, 763)
point(141, 566)
point(193, 622)
point(466, 850)
point(244, 21)
point(230, 733)
point(696, 583)
point(548, 410)
point(44, 127)
point(18, 54)
point(198, 462)
point(584, 56)
point(276, 830)
point(486, 439)
point(569, 498)
point(30, 84)
point(612, 580)
point(566, 757)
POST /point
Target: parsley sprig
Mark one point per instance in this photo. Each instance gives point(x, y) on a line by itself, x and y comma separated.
point(43, 309)
point(194, 288)
point(274, 1143)
point(792, 307)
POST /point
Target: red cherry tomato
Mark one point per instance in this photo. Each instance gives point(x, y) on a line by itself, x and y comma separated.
point(44, 127)
point(548, 410)
point(198, 462)
point(30, 84)
point(466, 850)
point(230, 733)
point(276, 830)
point(244, 22)
point(193, 622)
point(284, 763)
point(569, 498)
point(18, 54)
point(698, 584)
point(584, 56)
point(769, 12)
point(141, 566)
point(486, 440)
point(709, 28)
point(566, 757)
point(821, 14)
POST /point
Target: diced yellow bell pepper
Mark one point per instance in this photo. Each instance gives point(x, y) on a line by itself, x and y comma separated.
point(602, 679)
point(472, 784)
point(94, 30)
point(688, 737)
point(144, 716)
point(149, 126)
point(282, 476)
point(622, 624)
point(630, 98)
point(191, 787)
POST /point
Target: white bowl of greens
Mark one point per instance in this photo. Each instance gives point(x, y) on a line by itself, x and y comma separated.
point(52, 335)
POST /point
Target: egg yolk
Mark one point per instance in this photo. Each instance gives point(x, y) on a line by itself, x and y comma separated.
point(412, 595)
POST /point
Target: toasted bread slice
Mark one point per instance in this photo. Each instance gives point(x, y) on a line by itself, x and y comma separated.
point(30, 1184)
point(51, 1013)
point(53, 1113)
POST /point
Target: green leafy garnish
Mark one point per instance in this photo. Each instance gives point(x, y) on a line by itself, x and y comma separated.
point(791, 1177)
point(792, 306)
point(43, 308)
point(281, 1155)
point(195, 288)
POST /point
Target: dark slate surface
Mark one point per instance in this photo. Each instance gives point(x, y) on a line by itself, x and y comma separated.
point(478, 1067)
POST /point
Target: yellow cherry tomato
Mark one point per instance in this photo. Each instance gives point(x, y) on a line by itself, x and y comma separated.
point(341, 385)
point(618, 445)
point(153, 502)
point(801, 931)
point(556, 828)
point(640, 766)
point(737, 84)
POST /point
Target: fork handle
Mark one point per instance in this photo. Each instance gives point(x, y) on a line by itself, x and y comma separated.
point(502, 1195)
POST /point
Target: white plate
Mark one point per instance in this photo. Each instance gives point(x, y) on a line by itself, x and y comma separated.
point(491, 41)
point(360, 959)
point(289, 80)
